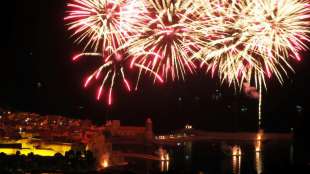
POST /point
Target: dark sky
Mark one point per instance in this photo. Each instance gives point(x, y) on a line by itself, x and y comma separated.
point(37, 49)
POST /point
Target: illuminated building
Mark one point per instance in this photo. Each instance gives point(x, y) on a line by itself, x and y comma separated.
point(35, 146)
point(115, 128)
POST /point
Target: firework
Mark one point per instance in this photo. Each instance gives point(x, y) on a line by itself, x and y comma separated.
point(111, 70)
point(165, 43)
point(103, 25)
point(250, 39)
point(245, 41)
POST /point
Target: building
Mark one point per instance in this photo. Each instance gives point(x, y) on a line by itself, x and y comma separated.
point(117, 130)
point(36, 146)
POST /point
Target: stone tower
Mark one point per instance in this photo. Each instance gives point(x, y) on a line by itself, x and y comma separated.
point(149, 129)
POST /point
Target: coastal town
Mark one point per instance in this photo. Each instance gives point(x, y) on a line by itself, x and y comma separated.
point(30, 133)
point(110, 145)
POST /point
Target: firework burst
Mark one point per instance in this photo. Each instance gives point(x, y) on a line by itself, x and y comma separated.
point(165, 43)
point(253, 39)
point(112, 71)
point(104, 25)
point(249, 39)
point(242, 41)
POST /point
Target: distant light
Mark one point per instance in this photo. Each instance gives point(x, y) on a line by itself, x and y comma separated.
point(27, 119)
point(161, 137)
point(105, 164)
point(180, 98)
point(258, 148)
point(167, 158)
point(236, 151)
point(188, 126)
point(299, 108)
point(259, 136)
point(39, 85)
point(244, 109)
point(217, 95)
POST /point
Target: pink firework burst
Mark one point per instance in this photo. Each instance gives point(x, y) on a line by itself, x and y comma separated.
point(104, 25)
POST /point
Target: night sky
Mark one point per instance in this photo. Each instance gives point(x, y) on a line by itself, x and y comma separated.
point(37, 75)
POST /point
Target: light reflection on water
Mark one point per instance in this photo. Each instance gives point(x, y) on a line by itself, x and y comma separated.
point(217, 157)
point(164, 166)
point(209, 157)
point(258, 154)
point(259, 162)
point(236, 164)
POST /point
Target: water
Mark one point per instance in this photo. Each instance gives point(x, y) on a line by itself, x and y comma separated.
point(214, 158)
